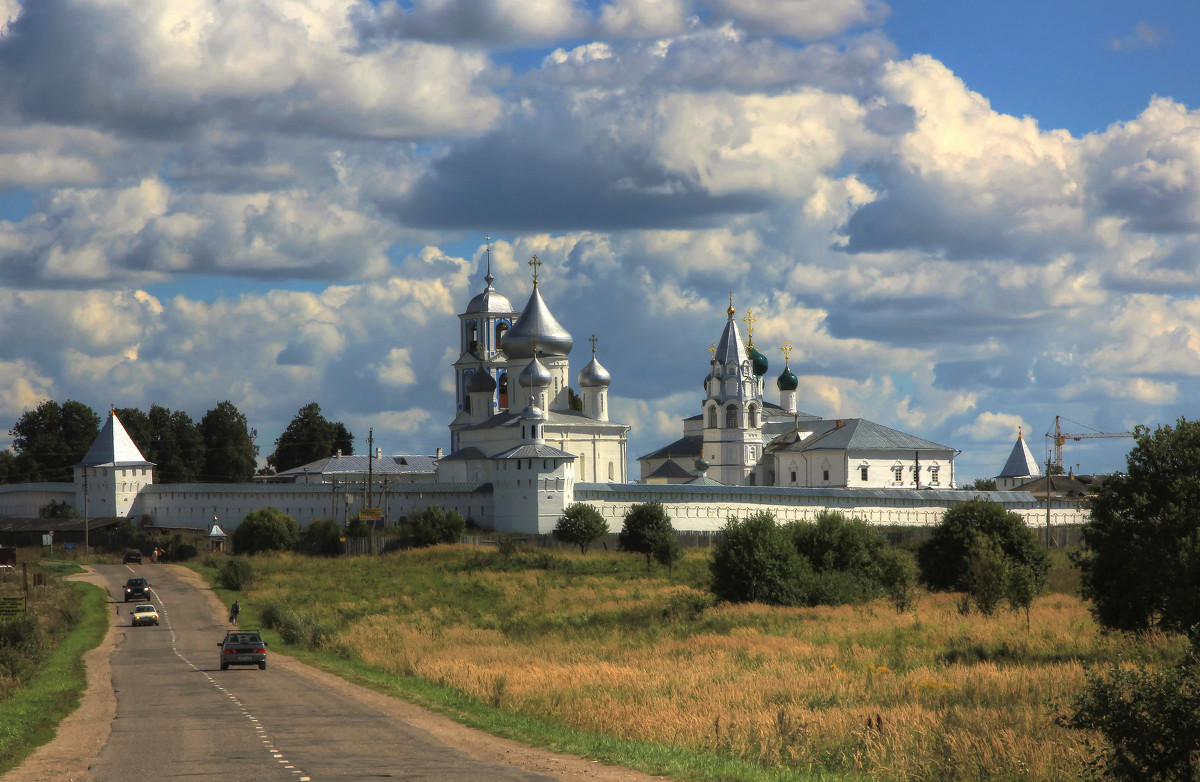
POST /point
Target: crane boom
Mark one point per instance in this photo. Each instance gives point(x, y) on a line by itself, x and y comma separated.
point(1060, 437)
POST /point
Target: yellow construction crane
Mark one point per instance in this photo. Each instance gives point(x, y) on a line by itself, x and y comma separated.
point(1060, 437)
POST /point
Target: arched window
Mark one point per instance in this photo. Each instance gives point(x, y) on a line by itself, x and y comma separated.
point(502, 385)
point(472, 337)
point(712, 418)
point(753, 416)
point(501, 330)
point(610, 471)
point(731, 417)
point(466, 399)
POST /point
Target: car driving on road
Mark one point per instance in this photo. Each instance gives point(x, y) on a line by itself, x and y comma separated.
point(132, 555)
point(145, 614)
point(137, 588)
point(243, 647)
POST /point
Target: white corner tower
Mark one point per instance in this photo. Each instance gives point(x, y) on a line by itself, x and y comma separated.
point(112, 473)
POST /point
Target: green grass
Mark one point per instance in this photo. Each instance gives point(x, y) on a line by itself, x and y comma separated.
point(31, 717)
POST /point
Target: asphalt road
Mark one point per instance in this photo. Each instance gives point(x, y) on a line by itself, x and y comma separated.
point(179, 716)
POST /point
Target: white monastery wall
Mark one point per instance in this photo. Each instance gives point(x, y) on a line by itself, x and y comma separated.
point(24, 500)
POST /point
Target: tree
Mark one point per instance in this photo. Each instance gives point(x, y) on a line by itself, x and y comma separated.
point(1141, 564)
point(51, 439)
point(269, 529)
point(667, 551)
point(434, 525)
point(644, 523)
point(57, 510)
point(982, 484)
point(176, 448)
point(944, 559)
point(755, 561)
point(229, 451)
point(1149, 717)
point(852, 560)
point(580, 525)
point(321, 538)
point(310, 437)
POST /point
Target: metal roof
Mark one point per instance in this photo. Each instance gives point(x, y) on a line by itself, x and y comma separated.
point(857, 434)
point(689, 446)
point(534, 451)
point(114, 448)
point(537, 322)
point(307, 488)
point(670, 469)
point(1021, 463)
point(357, 463)
point(717, 493)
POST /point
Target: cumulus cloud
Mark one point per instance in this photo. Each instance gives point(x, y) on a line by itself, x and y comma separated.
point(804, 19)
point(1142, 36)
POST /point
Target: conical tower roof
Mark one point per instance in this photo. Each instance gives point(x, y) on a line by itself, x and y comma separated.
point(1021, 463)
point(113, 448)
point(731, 350)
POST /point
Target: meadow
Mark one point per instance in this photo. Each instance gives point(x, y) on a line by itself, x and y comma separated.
point(617, 657)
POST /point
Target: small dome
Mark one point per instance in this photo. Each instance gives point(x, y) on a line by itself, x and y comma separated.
point(537, 324)
point(758, 361)
point(490, 302)
point(535, 375)
point(480, 382)
point(787, 381)
point(701, 464)
point(594, 375)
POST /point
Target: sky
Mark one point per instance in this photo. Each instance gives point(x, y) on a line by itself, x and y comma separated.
point(966, 218)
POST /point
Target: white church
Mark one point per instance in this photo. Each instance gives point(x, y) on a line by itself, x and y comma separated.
point(522, 449)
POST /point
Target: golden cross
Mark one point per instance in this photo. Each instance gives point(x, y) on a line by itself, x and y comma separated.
point(786, 347)
point(535, 263)
point(712, 350)
point(750, 320)
point(592, 339)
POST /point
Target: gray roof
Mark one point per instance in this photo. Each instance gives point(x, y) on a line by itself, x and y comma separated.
point(730, 349)
point(552, 417)
point(427, 487)
point(1021, 463)
point(853, 434)
point(683, 448)
point(357, 463)
point(670, 469)
point(718, 491)
point(534, 451)
point(465, 454)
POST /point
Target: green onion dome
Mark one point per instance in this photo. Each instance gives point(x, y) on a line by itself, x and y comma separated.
point(787, 381)
point(758, 361)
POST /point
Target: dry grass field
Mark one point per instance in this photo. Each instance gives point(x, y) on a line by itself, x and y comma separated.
point(595, 644)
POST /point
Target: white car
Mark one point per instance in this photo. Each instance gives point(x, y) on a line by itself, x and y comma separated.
point(145, 615)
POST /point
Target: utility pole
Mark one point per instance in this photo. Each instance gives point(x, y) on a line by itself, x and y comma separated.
point(86, 523)
point(1048, 460)
point(370, 464)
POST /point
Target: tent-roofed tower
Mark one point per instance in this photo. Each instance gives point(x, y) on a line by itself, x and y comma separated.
point(112, 472)
point(733, 408)
point(1020, 468)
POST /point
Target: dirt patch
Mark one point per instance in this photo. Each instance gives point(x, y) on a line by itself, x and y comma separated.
point(85, 732)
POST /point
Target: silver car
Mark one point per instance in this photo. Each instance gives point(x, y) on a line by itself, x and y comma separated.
point(243, 647)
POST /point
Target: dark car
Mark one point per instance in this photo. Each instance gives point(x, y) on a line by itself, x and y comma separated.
point(133, 555)
point(243, 647)
point(137, 588)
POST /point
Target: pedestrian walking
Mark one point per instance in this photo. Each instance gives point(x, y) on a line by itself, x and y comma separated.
point(233, 613)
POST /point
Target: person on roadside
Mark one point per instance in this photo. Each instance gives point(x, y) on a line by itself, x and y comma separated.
point(233, 613)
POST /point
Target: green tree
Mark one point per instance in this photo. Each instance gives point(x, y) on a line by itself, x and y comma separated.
point(755, 561)
point(580, 525)
point(434, 525)
point(357, 528)
point(982, 484)
point(309, 437)
point(987, 575)
point(321, 538)
point(229, 451)
point(1149, 718)
point(176, 447)
point(1141, 563)
point(57, 510)
point(269, 529)
point(944, 559)
point(851, 559)
point(50, 439)
point(644, 523)
point(667, 550)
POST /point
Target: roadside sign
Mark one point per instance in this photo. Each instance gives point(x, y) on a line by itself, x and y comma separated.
point(370, 514)
point(12, 605)
point(48, 539)
point(68, 547)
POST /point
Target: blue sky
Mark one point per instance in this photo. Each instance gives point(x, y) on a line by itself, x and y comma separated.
point(967, 218)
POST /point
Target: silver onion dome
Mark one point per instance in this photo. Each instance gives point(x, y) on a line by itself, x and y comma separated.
point(594, 375)
point(535, 375)
point(480, 381)
point(489, 301)
point(536, 323)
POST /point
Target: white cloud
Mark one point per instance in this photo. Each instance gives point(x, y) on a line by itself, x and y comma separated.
point(804, 19)
point(1143, 36)
point(993, 426)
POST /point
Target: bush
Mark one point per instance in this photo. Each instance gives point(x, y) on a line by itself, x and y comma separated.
point(853, 561)
point(644, 524)
point(321, 538)
point(965, 530)
point(1149, 718)
point(755, 561)
point(434, 525)
point(269, 529)
point(357, 528)
point(580, 525)
point(236, 573)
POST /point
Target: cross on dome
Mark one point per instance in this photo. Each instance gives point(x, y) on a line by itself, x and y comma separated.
point(749, 320)
point(535, 263)
point(592, 339)
point(786, 347)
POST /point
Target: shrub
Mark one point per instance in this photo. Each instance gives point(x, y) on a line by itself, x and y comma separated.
point(1149, 718)
point(357, 528)
point(434, 525)
point(580, 525)
point(269, 529)
point(321, 538)
point(944, 559)
point(236, 573)
point(667, 551)
point(755, 560)
point(644, 523)
point(849, 557)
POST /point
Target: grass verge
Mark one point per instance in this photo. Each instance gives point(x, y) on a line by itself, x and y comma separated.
point(31, 717)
